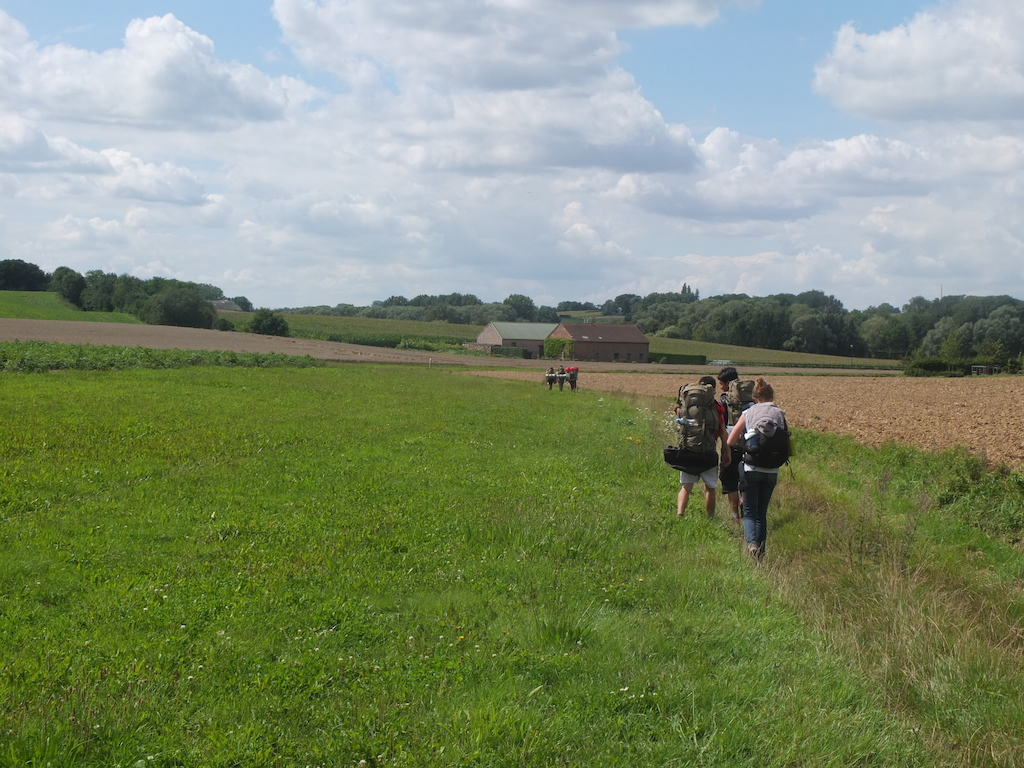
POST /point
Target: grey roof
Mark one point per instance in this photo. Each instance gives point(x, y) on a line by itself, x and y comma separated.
point(537, 331)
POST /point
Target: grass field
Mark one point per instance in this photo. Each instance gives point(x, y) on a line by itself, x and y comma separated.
point(391, 566)
point(37, 305)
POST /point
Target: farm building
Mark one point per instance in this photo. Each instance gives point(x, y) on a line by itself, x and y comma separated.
point(226, 305)
point(528, 336)
point(605, 343)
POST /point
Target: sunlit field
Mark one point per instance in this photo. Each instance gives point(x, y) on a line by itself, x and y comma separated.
point(407, 567)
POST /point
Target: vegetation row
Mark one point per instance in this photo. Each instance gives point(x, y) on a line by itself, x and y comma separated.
point(943, 335)
point(36, 357)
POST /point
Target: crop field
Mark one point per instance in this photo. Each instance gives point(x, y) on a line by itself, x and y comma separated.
point(931, 414)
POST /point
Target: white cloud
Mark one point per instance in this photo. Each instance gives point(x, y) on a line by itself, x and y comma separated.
point(505, 44)
point(71, 232)
point(166, 75)
point(957, 61)
point(501, 148)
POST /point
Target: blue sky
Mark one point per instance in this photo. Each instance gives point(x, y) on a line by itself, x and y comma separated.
point(305, 152)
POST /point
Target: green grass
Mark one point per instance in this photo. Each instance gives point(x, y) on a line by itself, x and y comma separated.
point(754, 356)
point(406, 567)
point(355, 329)
point(910, 567)
point(38, 305)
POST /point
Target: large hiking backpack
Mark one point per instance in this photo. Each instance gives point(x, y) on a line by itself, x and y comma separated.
point(697, 418)
point(739, 397)
point(768, 446)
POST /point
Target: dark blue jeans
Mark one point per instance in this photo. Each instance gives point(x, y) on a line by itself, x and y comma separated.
point(757, 492)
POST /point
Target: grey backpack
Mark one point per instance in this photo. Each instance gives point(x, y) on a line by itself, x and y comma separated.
point(739, 397)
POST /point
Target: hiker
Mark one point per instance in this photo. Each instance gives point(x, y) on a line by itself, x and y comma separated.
point(550, 377)
point(701, 420)
point(562, 376)
point(758, 482)
point(735, 398)
point(574, 372)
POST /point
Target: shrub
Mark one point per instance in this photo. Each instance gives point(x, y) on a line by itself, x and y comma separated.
point(182, 307)
point(268, 323)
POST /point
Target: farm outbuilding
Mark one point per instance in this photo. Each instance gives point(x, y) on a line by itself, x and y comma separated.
point(600, 342)
point(528, 336)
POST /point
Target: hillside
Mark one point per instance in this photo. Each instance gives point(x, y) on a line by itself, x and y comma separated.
point(41, 305)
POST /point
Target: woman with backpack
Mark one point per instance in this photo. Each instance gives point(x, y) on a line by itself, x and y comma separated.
point(761, 423)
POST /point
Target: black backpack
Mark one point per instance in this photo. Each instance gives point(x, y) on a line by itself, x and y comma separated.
point(768, 446)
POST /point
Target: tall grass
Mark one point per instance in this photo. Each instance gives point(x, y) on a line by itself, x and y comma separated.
point(388, 566)
point(914, 576)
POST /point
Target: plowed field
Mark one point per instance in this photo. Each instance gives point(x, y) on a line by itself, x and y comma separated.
point(978, 412)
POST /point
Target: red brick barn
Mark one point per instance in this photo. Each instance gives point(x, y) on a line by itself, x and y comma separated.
point(603, 343)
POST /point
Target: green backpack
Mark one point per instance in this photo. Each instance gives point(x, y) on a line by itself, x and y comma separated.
point(739, 397)
point(697, 418)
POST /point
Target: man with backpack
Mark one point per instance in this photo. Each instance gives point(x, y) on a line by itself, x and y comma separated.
point(700, 419)
point(736, 396)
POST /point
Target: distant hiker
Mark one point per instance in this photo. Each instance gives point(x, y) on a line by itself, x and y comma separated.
point(562, 376)
point(574, 372)
point(736, 396)
point(762, 432)
point(550, 377)
point(701, 422)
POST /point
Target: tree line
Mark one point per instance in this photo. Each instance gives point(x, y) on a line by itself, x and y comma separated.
point(157, 300)
point(950, 331)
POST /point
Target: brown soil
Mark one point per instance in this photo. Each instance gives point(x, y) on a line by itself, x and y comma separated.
point(977, 412)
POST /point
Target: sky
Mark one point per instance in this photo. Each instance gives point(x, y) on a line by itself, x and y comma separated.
point(323, 152)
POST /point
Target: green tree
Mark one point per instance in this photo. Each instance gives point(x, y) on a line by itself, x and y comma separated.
point(268, 323)
point(131, 295)
point(68, 284)
point(953, 348)
point(244, 304)
point(627, 303)
point(183, 307)
point(98, 295)
point(524, 307)
point(18, 275)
